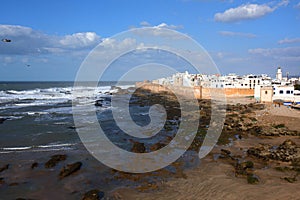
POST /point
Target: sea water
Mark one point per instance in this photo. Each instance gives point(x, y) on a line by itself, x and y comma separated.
point(38, 115)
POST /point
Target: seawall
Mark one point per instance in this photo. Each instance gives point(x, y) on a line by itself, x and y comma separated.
point(198, 91)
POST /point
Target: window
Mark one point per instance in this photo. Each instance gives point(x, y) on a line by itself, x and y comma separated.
point(281, 92)
point(266, 92)
point(288, 92)
point(274, 93)
point(292, 92)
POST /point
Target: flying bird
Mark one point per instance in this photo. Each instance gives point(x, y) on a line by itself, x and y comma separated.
point(6, 40)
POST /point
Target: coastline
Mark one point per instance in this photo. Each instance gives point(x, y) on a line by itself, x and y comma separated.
point(213, 177)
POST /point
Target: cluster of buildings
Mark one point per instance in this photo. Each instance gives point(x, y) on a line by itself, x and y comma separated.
point(281, 88)
point(264, 87)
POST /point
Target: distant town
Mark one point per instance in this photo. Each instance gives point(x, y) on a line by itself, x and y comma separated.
point(263, 87)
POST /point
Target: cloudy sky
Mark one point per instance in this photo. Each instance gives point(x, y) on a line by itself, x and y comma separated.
point(50, 39)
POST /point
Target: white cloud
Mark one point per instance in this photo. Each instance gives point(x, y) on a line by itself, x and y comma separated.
point(76, 40)
point(289, 40)
point(158, 30)
point(287, 52)
point(164, 25)
point(7, 59)
point(144, 23)
point(161, 25)
point(247, 12)
point(239, 34)
point(26, 41)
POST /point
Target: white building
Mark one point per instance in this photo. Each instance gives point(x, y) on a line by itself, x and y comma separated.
point(279, 74)
point(283, 92)
point(216, 80)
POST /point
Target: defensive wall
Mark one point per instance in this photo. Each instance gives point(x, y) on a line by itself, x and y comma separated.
point(198, 91)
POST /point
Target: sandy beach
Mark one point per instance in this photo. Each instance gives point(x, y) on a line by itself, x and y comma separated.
point(217, 179)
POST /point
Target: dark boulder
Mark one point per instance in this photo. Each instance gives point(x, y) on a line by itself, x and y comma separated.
point(69, 169)
point(2, 120)
point(93, 195)
point(34, 165)
point(252, 179)
point(138, 147)
point(54, 160)
point(5, 167)
point(99, 103)
point(1, 181)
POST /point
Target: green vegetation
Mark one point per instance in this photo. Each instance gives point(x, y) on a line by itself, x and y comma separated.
point(297, 87)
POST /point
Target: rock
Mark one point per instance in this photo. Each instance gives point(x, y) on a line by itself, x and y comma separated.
point(138, 147)
point(225, 151)
point(156, 146)
point(288, 144)
point(279, 126)
point(252, 179)
point(23, 199)
point(1, 181)
point(239, 170)
point(13, 184)
point(262, 151)
point(69, 169)
point(248, 165)
point(54, 160)
point(99, 103)
point(93, 195)
point(34, 165)
point(2, 120)
point(290, 179)
point(255, 130)
point(286, 152)
point(5, 167)
point(243, 168)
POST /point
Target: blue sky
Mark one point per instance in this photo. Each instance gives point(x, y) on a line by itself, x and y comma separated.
point(54, 37)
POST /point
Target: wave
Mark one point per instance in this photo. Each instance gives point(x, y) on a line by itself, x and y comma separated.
point(37, 148)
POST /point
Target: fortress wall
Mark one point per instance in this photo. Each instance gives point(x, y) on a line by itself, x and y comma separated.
point(198, 91)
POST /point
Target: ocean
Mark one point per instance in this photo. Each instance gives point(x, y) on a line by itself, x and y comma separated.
point(37, 116)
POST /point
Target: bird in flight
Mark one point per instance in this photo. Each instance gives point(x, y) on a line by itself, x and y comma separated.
point(6, 40)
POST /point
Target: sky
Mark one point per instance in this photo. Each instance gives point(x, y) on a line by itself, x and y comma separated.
point(51, 39)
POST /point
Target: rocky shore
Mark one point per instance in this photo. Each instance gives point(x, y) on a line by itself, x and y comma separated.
point(257, 157)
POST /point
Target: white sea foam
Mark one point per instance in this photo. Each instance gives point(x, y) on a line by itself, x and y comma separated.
point(38, 148)
point(51, 96)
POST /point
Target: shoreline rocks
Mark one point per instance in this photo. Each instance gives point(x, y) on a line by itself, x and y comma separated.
point(3, 120)
point(54, 160)
point(5, 167)
point(93, 195)
point(286, 152)
point(69, 169)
